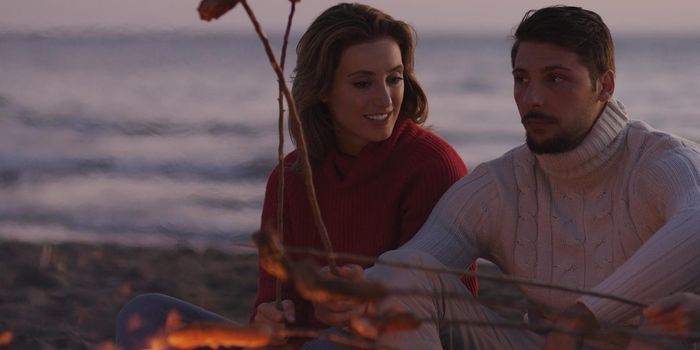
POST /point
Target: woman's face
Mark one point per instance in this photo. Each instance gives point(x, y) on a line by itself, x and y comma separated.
point(366, 94)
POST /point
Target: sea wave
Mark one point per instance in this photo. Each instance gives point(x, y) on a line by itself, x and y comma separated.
point(15, 169)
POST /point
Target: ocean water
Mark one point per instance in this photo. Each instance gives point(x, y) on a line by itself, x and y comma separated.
point(168, 138)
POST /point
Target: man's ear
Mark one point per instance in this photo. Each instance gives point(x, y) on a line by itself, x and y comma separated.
point(607, 84)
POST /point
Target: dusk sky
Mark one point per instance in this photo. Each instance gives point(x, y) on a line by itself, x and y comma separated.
point(457, 16)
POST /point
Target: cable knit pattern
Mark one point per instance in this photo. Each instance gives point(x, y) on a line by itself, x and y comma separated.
point(619, 214)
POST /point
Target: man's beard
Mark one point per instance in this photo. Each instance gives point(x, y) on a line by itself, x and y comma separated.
point(561, 143)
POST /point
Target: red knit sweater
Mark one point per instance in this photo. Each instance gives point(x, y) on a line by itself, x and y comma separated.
point(370, 203)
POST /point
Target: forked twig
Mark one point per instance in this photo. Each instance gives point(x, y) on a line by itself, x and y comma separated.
point(301, 146)
point(448, 270)
point(607, 330)
point(463, 272)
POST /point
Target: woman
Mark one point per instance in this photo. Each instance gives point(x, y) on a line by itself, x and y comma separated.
point(377, 172)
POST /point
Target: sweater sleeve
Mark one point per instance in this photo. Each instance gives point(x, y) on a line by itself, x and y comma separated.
point(457, 229)
point(429, 183)
point(669, 261)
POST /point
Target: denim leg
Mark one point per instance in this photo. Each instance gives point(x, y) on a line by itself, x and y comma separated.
point(143, 318)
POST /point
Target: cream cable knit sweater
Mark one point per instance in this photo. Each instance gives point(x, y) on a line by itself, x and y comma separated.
point(619, 214)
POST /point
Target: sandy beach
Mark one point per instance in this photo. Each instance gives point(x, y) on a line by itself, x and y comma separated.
point(67, 295)
point(69, 298)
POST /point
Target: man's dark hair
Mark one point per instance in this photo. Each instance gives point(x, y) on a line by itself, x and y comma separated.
point(573, 28)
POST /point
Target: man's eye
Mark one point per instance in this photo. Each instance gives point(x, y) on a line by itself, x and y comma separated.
point(361, 84)
point(556, 78)
point(519, 80)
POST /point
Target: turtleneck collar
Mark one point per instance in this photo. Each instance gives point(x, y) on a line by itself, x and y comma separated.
point(596, 148)
point(373, 156)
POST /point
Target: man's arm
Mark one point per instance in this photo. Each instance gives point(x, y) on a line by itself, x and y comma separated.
point(669, 261)
point(462, 222)
point(450, 234)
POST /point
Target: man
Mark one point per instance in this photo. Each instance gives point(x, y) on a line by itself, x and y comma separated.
point(592, 201)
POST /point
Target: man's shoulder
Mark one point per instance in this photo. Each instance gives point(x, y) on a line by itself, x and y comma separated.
point(651, 140)
point(656, 152)
point(504, 169)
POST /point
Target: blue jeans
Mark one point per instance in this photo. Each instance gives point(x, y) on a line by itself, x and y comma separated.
point(143, 318)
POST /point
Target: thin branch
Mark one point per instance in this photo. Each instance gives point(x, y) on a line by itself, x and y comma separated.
point(280, 151)
point(301, 146)
point(286, 33)
point(460, 272)
point(602, 331)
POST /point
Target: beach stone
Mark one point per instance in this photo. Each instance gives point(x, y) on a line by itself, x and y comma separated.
point(67, 342)
point(14, 296)
point(164, 285)
point(22, 343)
point(31, 276)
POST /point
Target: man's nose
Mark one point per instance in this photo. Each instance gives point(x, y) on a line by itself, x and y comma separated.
point(533, 96)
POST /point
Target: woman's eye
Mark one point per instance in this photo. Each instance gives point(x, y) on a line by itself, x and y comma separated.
point(395, 80)
point(361, 84)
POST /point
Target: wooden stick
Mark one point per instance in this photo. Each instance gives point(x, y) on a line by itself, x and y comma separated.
point(280, 151)
point(301, 146)
point(602, 331)
point(456, 271)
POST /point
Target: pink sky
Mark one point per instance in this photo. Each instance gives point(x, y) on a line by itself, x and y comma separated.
point(461, 16)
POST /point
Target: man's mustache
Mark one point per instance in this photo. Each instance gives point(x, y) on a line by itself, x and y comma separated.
point(539, 116)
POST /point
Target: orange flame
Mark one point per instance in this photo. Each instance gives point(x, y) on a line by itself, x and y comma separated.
point(6, 338)
point(215, 335)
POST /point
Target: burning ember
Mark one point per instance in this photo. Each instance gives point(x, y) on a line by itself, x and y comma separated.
point(6, 338)
point(220, 335)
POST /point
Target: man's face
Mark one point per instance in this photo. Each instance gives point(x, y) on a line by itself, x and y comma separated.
point(556, 99)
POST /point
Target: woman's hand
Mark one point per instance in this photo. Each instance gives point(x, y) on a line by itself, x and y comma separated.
point(338, 312)
point(268, 313)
